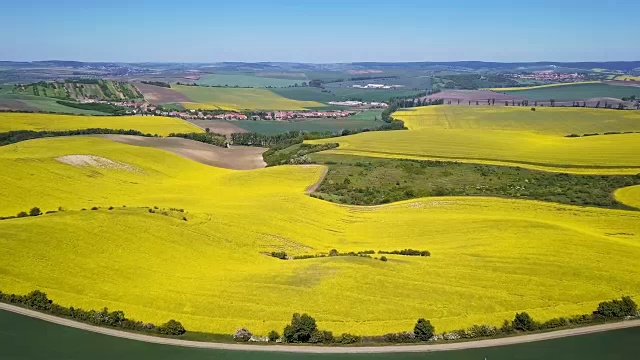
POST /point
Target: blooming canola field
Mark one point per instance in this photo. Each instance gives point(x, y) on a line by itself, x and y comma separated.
point(160, 125)
point(206, 266)
point(514, 136)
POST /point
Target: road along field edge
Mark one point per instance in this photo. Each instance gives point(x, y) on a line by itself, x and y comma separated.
point(322, 349)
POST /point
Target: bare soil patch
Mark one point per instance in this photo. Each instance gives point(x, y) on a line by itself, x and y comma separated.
point(161, 95)
point(218, 126)
point(471, 95)
point(11, 104)
point(236, 157)
point(95, 161)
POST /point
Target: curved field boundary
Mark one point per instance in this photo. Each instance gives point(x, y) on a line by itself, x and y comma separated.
point(571, 169)
point(326, 350)
point(544, 86)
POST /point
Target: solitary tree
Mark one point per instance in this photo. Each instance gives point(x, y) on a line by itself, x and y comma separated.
point(423, 330)
point(300, 329)
point(35, 211)
point(523, 322)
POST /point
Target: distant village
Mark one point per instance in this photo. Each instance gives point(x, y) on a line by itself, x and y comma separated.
point(549, 75)
point(143, 109)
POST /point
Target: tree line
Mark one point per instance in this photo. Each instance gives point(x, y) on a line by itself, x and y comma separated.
point(38, 300)
point(12, 137)
point(304, 329)
point(101, 107)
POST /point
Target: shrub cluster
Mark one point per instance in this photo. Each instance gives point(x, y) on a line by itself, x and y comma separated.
point(38, 300)
point(157, 83)
point(35, 211)
point(406, 252)
point(605, 133)
point(207, 138)
point(101, 107)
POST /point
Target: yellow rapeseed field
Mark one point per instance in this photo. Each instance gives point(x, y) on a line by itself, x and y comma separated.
point(509, 136)
point(627, 78)
point(490, 257)
point(147, 124)
point(629, 196)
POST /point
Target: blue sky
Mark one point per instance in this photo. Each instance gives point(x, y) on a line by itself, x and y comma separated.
point(319, 31)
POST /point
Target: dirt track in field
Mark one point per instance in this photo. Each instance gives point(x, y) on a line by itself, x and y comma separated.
point(327, 349)
point(236, 157)
point(312, 188)
point(160, 95)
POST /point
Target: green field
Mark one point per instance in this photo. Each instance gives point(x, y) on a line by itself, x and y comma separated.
point(39, 103)
point(366, 119)
point(246, 80)
point(307, 94)
point(86, 89)
point(576, 92)
point(513, 136)
point(240, 99)
point(340, 94)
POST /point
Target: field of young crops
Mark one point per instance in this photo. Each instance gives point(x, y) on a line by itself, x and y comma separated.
point(247, 80)
point(571, 92)
point(490, 257)
point(239, 99)
point(147, 124)
point(509, 135)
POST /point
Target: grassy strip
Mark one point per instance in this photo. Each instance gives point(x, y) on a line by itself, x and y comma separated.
point(372, 181)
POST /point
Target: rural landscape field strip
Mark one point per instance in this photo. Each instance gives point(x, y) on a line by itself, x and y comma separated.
point(325, 349)
point(507, 136)
point(239, 99)
point(154, 264)
point(160, 125)
point(629, 196)
point(574, 91)
point(237, 157)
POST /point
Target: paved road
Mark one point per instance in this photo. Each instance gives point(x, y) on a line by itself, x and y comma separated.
point(327, 350)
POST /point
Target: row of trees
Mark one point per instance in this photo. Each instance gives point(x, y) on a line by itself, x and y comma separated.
point(303, 328)
point(101, 107)
point(38, 300)
point(11, 137)
point(207, 138)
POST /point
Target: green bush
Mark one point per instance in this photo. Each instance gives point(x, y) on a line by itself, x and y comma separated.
point(171, 327)
point(273, 336)
point(524, 322)
point(300, 329)
point(35, 212)
point(617, 308)
point(423, 330)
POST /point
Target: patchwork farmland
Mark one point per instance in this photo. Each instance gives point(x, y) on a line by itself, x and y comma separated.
point(175, 229)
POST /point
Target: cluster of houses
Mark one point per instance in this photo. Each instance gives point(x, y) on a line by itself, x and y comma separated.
point(549, 75)
point(372, 105)
point(149, 109)
point(377, 86)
